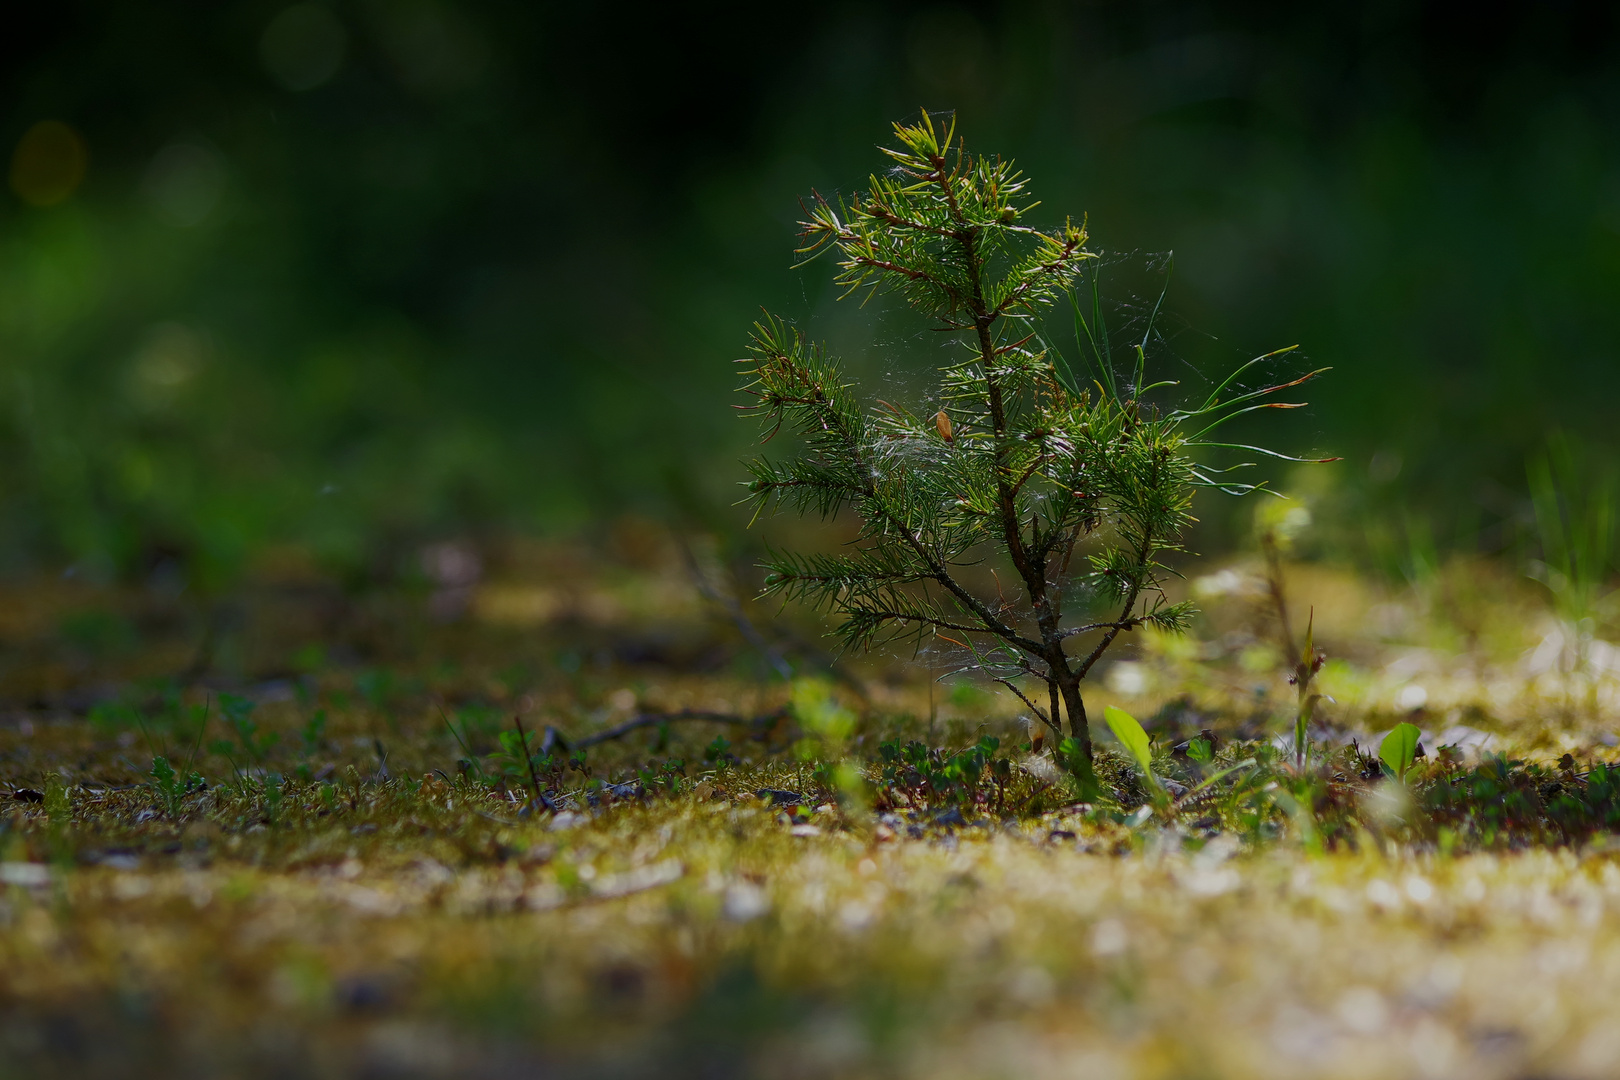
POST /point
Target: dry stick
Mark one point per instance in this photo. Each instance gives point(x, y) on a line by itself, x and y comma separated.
point(727, 602)
point(646, 720)
point(733, 609)
point(528, 759)
point(1041, 715)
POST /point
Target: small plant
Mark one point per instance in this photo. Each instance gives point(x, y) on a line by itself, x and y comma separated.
point(1303, 679)
point(1276, 534)
point(238, 715)
point(1131, 736)
point(469, 761)
point(1201, 750)
point(314, 732)
point(1576, 500)
point(940, 778)
point(311, 738)
point(171, 786)
point(719, 752)
point(250, 748)
point(1080, 491)
point(522, 762)
point(1399, 749)
point(828, 726)
point(669, 775)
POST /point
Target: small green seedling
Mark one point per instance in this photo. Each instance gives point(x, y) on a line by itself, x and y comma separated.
point(1077, 763)
point(238, 715)
point(470, 765)
point(272, 788)
point(943, 778)
point(1201, 751)
point(314, 732)
point(1399, 749)
point(719, 751)
point(1134, 739)
point(171, 786)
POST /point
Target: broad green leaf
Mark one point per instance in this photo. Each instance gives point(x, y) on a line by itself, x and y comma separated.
point(1130, 733)
point(1399, 748)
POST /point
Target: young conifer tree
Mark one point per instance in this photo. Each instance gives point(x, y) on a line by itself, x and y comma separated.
point(1079, 491)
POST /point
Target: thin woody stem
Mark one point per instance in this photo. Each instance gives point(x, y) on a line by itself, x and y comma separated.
point(1124, 614)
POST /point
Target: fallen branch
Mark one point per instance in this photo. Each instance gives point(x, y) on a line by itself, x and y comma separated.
point(728, 603)
point(554, 739)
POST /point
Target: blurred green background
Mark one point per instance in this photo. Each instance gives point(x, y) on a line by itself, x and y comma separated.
point(356, 275)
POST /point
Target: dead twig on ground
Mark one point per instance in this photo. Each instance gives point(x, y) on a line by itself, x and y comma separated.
point(725, 600)
point(732, 607)
point(555, 739)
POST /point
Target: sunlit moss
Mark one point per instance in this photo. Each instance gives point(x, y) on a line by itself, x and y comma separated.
point(388, 909)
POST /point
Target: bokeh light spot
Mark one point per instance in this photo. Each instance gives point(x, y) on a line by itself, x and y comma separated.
point(184, 182)
point(48, 164)
point(435, 50)
point(169, 357)
point(303, 47)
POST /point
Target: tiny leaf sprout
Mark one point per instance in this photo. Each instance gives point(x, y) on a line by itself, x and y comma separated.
point(1130, 734)
point(1304, 676)
point(173, 785)
point(1399, 749)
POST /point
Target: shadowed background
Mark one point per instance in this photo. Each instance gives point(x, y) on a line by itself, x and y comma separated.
point(354, 276)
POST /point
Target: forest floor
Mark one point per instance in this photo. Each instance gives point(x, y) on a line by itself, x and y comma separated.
point(362, 884)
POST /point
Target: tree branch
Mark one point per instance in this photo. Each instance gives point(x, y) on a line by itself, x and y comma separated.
point(1034, 575)
point(1124, 615)
point(927, 620)
point(1036, 709)
point(1123, 624)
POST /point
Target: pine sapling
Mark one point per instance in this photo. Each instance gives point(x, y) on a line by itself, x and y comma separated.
point(1081, 491)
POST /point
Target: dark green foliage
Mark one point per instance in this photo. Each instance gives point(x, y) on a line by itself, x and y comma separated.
point(1080, 492)
point(237, 712)
point(719, 751)
point(518, 758)
point(669, 776)
point(314, 731)
point(972, 778)
point(1504, 802)
point(1497, 803)
point(171, 787)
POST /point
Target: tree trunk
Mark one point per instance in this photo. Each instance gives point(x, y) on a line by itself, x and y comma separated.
point(1076, 708)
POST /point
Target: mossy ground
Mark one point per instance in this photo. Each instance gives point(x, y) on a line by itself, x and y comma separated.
point(343, 900)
